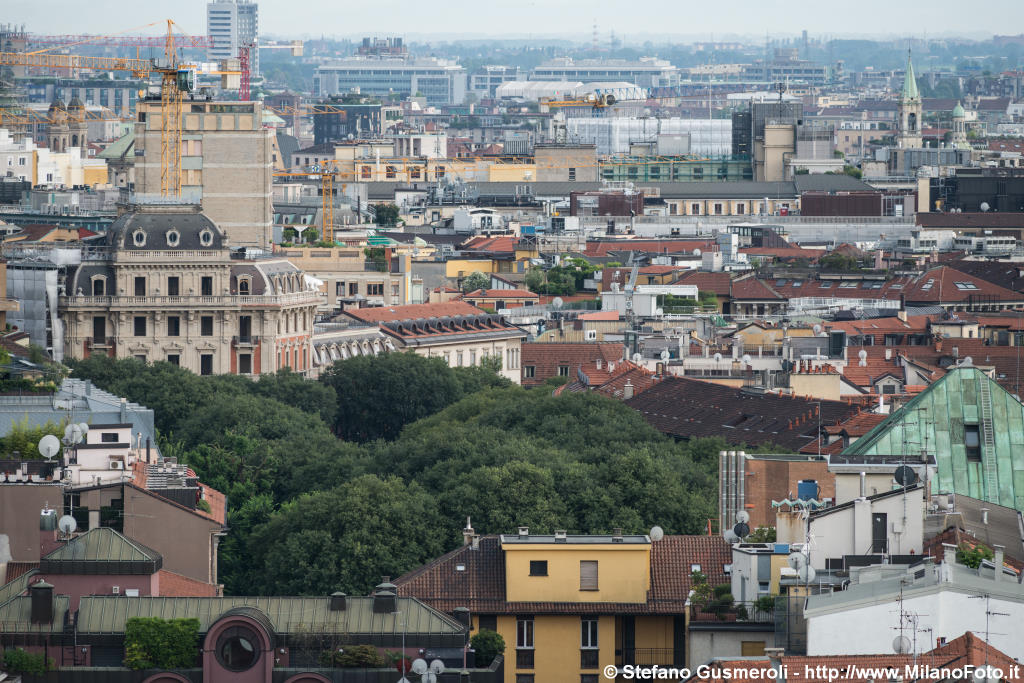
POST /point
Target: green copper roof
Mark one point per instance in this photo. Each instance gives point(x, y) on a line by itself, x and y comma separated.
point(910, 91)
point(938, 419)
point(958, 111)
point(102, 551)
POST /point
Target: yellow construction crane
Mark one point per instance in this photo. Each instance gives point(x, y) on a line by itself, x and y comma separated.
point(175, 79)
point(327, 174)
point(590, 100)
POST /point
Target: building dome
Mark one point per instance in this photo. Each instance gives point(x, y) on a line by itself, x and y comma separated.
point(166, 228)
point(958, 111)
point(76, 105)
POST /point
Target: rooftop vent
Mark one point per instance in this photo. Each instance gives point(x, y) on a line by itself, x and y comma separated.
point(337, 602)
point(617, 535)
point(524, 531)
point(560, 536)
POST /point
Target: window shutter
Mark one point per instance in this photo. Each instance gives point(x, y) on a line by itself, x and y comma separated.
point(588, 575)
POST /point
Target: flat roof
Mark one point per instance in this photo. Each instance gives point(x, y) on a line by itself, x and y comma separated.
point(572, 539)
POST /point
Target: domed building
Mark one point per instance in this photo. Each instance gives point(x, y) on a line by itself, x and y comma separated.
point(166, 286)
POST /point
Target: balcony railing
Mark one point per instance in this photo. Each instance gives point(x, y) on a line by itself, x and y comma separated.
point(646, 656)
point(245, 340)
point(741, 612)
point(99, 342)
point(179, 301)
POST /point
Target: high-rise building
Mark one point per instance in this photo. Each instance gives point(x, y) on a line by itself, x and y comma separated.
point(231, 24)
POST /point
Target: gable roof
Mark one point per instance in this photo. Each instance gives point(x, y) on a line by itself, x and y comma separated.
point(547, 357)
point(688, 408)
point(101, 551)
point(946, 284)
point(936, 418)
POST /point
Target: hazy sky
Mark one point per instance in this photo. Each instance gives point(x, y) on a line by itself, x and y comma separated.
point(630, 20)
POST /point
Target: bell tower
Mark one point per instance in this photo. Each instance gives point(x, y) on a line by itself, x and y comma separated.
point(908, 112)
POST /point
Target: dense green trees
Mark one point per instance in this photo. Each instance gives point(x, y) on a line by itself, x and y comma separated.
point(422, 447)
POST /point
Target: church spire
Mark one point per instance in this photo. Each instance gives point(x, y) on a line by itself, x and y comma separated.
point(910, 91)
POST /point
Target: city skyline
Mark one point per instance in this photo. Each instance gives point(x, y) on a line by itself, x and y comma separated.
point(463, 19)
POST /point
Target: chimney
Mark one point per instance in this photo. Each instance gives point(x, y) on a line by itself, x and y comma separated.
point(560, 536)
point(948, 554)
point(524, 532)
point(384, 599)
point(462, 616)
point(888, 354)
point(998, 561)
point(42, 602)
point(124, 410)
point(902, 314)
point(598, 363)
point(627, 391)
point(956, 352)
point(467, 533)
point(337, 603)
point(863, 484)
point(475, 542)
point(617, 535)
point(938, 345)
point(984, 516)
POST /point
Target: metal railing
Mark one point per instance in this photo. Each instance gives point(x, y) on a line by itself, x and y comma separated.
point(741, 612)
point(177, 301)
point(646, 656)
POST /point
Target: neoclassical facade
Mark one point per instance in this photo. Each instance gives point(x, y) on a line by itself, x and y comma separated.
point(167, 287)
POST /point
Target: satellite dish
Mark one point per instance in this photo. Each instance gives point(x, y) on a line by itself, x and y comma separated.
point(665, 355)
point(730, 536)
point(718, 358)
point(817, 330)
point(984, 206)
point(743, 516)
point(905, 476)
point(746, 359)
point(967, 362)
point(48, 446)
point(637, 357)
point(68, 432)
point(419, 666)
point(796, 560)
point(862, 354)
point(901, 645)
point(436, 667)
point(697, 252)
point(742, 530)
point(557, 302)
point(83, 427)
point(657, 533)
point(806, 573)
point(67, 524)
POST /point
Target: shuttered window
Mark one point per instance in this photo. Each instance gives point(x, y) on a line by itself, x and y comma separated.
point(588, 575)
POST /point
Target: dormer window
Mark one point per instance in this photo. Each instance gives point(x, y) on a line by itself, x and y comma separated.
point(139, 238)
point(99, 285)
point(206, 237)
point(173, 238)
point(243, 286)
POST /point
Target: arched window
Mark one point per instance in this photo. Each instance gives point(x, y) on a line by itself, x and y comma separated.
point(238, 649)
point(243, 286)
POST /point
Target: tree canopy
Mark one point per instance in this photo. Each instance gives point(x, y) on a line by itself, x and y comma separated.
point(373, 469)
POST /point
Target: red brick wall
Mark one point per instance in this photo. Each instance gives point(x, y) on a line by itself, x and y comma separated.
point(768, 480)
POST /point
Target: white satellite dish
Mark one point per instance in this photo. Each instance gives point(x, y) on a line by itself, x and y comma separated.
point(696, 252)
point(665, 355)
point(48, 446)
point(67, 524)
point(796, 560)
point(657, 533)
point(437, 667)
point(746, 359)
point(967, 362)
point(83, 427)
point(637, 357)
point(419, 666)
point(743, 516)
point(718, 358)
point(557, 302)
point(901, 645)
point(984, 206)
point(806, 573)
point(730, 536)
point(817, 330)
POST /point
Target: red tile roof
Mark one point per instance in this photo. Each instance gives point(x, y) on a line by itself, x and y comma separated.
point(752, 288)
point(412, 312)
point(174, 585)
point(480, 584)
point(16, 569)
point(547, 357)
point(599, 316)
point(944, 284)
point(505, 244)
point(689, 408)
point(706, 282)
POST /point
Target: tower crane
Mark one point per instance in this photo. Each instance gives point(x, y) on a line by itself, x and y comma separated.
point(175, 79)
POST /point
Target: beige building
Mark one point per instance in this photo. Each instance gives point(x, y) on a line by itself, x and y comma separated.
point(566, 163)
point(168, 288)
point(226, 164)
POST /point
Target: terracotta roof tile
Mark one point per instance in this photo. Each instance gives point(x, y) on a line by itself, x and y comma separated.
point(599, 316)
point(547, 357)
point(707, 282)
point(174, 585)
point(500, 294)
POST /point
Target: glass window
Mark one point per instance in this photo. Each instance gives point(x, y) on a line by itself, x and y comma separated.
point(140, 286)
point(588, 634)
point(140, 326)
point(238, 649)
point(538, 567)
point(173, 326)
point(206, 326)
point(207, 285)
point(524, 633)
point(173, 286)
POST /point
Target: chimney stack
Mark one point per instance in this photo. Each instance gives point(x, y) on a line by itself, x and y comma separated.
point(627, 391)
point(467, 533)
point(617, 535)
point(42, 602)
point(337, 602)
point(1000, 552)
point(524, 532)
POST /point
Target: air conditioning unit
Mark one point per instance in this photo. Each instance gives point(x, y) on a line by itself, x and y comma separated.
point(115, 590)
point(590, 335)
point(116, 465)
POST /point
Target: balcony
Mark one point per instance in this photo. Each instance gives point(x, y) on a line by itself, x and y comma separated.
point(646, 656)
point(757, 612)
point(99, 342)
point(242, 341)
point(227, 301)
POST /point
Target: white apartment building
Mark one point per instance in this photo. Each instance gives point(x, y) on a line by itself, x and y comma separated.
point(440, 81)
point(231, 23)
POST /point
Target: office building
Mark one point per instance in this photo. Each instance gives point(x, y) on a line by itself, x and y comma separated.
point(647, 72)
point(485, 81)
point(440, 81)
point(231, 24)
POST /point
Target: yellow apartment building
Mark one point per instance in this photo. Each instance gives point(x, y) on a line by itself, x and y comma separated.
point(568, 605)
